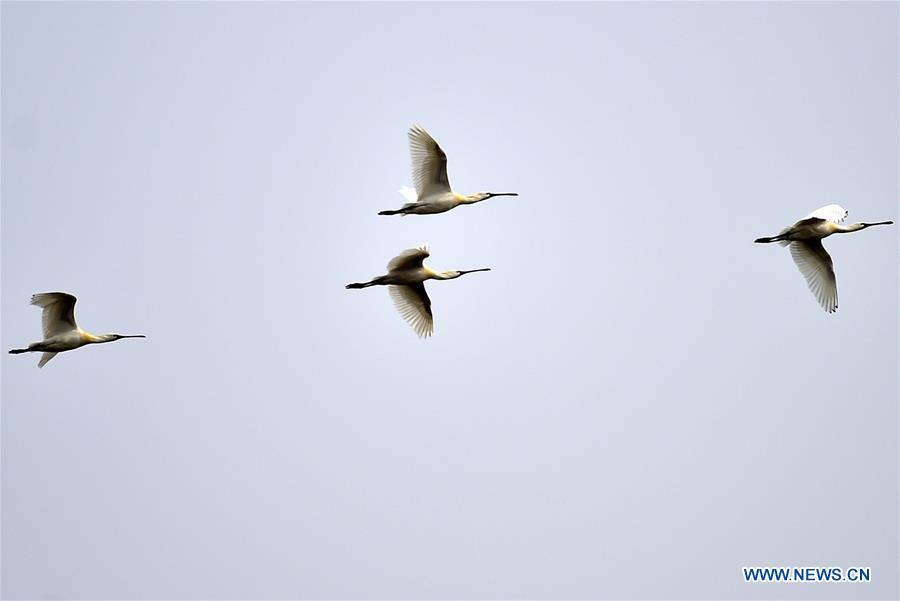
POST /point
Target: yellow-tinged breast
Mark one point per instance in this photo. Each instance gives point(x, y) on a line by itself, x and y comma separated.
point(87, 337)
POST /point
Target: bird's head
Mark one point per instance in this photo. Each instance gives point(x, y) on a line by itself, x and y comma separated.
point(112, 337)
point(479, 196)
point(453, 274)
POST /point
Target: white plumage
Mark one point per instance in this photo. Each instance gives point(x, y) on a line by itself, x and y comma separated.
point(61, 333)
point(811, 258)
point(405, 279)
point(433, 193)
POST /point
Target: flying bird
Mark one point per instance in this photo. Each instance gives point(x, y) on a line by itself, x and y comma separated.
point(61, 333)
point(406, 283)
point(814, 262)
point(433, 193)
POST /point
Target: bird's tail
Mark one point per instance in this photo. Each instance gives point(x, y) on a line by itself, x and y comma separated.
point(411, 198)
point(16, 351)
point(359, 285)
point(767, 239)
point(409, 194)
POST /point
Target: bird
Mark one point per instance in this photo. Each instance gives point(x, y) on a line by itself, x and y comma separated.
point(61, 333)
point(813, 261)
point(432, 193)
point(405, 280)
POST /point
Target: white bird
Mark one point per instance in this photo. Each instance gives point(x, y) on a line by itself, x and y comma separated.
point(61, 333)
point(433, 193)
point(814, 262)
point(406, 283)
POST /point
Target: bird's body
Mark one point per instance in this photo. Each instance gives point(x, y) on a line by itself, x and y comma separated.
point(813, 261)
point(439, 202)
point(432, 193)
point(61, 333)
point(406, 278)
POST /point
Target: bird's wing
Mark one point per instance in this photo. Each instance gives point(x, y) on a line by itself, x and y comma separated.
point(429, 163)
point(815, 264)
point(835, 213)
point(44, 358)
point(59, 312)
point(409, 259)
point(414, 305)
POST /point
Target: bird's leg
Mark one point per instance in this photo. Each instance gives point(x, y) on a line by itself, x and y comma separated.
point(402, 211)
point(34, 347)
point(372, 282)
point(778, 238)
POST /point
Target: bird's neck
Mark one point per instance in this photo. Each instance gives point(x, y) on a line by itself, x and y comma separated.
point(92, 338)
point(464, 199)
point(855, 227)
point(437, 275)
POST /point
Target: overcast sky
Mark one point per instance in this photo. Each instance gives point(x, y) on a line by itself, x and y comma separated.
point(634, 403)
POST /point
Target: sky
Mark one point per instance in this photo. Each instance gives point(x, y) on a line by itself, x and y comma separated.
point(635, 403)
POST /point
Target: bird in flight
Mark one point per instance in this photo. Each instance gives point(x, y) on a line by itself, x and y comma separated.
point(61, 333)
point(405, 280)
point(433, 193)
point(814, 262)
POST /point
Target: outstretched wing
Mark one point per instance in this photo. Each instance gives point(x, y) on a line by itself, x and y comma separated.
point(409, 259)
point(429, 163)
point(59, 312)
point(44, 358)
point(835, 213)
point(414, 305)
point(815, 264)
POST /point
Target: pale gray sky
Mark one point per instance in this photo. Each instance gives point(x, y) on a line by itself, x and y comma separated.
point(635, 403)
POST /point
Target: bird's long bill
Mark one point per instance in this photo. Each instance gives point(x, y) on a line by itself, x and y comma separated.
point(465, 271)
point(492, 194)
point(133, 336)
